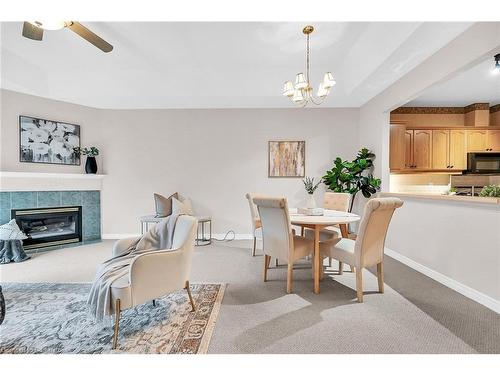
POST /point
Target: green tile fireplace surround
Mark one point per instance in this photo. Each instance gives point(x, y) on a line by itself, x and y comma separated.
point(90, 200)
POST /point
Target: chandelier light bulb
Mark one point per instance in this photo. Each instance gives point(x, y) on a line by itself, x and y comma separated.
point(322, 91)
point(328, 81)
point(288, 89)
point(297, 96)
point(300, 81)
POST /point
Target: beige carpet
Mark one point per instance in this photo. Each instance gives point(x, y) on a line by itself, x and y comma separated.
point(415, 315)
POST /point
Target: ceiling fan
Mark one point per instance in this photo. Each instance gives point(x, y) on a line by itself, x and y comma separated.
point(34, 30)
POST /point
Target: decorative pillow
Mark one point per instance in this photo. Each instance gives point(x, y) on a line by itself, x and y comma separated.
point(163, 206)
point(180, 208)
point(11, 231)
point(188, 204)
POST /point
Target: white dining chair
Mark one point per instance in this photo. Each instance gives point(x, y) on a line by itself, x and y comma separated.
point(256, 224)
point(368, 248)
point(279, 240)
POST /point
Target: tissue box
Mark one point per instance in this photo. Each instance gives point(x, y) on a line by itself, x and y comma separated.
point(311, 211)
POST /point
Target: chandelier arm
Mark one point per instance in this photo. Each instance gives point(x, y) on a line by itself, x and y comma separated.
point(317, 101)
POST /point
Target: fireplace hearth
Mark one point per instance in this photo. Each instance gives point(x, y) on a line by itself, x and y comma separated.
point(50, 226)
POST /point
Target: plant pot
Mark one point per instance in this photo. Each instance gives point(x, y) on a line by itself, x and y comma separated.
point(310, 201)
point(90, 165)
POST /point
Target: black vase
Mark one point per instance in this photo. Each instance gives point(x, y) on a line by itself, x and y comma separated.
point(90, 165)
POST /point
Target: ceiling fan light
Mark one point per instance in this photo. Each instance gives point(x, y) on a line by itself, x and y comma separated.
point(300, 81)
point(49, 25)
point(328, 81)
point(322, 91)
point(297, 96)
point(288, 89)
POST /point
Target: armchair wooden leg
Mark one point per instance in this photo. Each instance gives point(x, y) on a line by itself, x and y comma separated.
point(277, 262)
point(267, 260)
point(352, 268)
point(330, 262)
point(154, 302)
point(254, 245)
point(289, 278)
point(188, 289)
point(359, 283)
point(117, 323)
point(380, 277)
point(341, 268)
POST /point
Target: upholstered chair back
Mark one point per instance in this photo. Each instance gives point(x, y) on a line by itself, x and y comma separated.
point(337, 201)
point(160, 272)
point(369, 247)
point(276, 228)
point(253, 210)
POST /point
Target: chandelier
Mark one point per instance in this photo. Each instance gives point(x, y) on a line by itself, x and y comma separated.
point(301, 93)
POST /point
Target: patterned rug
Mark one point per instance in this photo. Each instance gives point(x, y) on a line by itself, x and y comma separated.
point(52, 318)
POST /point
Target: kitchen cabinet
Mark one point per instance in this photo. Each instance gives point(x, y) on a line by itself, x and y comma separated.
point(493, 140)
point(440, 149)
point(408, 149)
point(422, 146)
point(477, 140)
point(458, 149)
point(397, 147)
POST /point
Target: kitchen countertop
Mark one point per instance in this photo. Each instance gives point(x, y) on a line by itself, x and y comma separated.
point(456, 198)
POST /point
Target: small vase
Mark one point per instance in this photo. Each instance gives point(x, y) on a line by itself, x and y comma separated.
point(90, 165)
point(310, 202)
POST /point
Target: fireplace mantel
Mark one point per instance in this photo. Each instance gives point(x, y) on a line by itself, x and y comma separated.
point(29, 181)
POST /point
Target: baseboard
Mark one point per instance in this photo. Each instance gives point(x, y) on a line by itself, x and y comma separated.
point(465, 290)
point(219, 236)
point(118, 236)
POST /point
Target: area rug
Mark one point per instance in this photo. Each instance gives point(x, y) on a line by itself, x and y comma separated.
point(52, 318)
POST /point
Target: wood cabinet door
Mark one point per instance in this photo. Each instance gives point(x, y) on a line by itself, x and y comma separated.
point(440, 149)
point(397, 147)
point(422, 144)
point(493, 140)
point(409, 149)
point(476, 140)
point(458, 149)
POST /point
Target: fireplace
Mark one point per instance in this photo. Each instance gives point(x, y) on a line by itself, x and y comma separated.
point(49, 226)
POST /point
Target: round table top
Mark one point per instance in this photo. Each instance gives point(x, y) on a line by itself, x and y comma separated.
point(328, 219)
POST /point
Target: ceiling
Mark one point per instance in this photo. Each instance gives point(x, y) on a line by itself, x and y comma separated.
point(215, 64)
point(476, 85)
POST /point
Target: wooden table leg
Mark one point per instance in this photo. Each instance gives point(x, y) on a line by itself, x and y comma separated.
point(344, 231)
point(317, 258)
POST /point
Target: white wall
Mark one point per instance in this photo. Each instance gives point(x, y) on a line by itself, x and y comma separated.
point(457, 240)
point(213, 156)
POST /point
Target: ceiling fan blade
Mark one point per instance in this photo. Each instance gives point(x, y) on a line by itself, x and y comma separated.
point(89, 36)
point(32, 32)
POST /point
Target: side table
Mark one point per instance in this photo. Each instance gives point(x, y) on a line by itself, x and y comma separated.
point(201, 235)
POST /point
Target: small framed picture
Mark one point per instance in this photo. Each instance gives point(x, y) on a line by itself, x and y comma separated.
point(287, 159)
point(48, 141)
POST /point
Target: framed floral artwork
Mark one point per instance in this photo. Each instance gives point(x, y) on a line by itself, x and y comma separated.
point(48, 141)
point(287, 159)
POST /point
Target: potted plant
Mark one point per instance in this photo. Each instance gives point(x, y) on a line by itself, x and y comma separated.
point(310, 187)
point(90, 153)
point(353, 176)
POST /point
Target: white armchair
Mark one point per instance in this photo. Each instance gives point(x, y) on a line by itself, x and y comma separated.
point(156, 273)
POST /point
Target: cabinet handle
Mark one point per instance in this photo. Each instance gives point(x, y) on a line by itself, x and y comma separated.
point(452, 166)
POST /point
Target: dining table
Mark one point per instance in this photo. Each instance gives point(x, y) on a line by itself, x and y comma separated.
point(317, 223)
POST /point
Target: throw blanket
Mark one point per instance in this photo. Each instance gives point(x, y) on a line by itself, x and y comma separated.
point(158, 237)
point(12, 251)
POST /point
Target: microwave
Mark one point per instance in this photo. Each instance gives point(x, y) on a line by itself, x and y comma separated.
point(483, 162)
